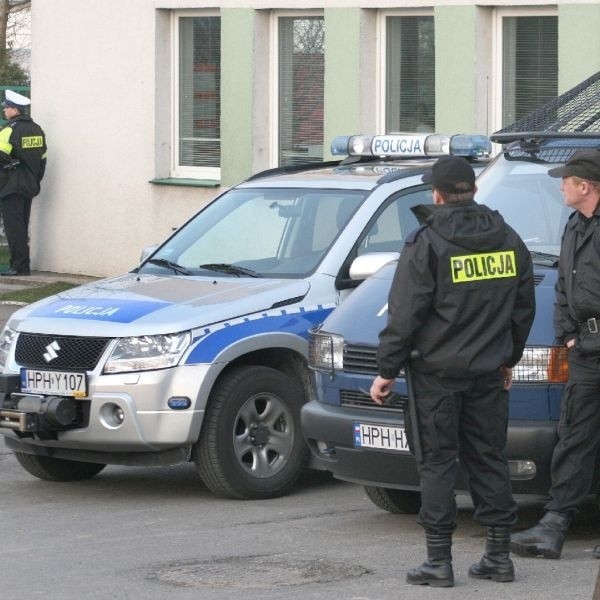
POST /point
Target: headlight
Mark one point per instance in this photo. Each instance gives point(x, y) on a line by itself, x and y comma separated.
point(325, 351)
point(542, 364)
point(147, 352)
point(7, 337)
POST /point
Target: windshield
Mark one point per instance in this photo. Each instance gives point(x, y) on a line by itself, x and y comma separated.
point(529, 200)
point(258, 233)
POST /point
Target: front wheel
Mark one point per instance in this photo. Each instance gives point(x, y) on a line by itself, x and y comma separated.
point(57, 469)
point(251, 445)
point(395, 501)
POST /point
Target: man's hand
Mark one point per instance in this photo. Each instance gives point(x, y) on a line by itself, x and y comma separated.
point(507, 374)
point(381, 389)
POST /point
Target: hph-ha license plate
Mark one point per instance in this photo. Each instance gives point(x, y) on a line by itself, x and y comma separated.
point(59, 383)
point(381, 437)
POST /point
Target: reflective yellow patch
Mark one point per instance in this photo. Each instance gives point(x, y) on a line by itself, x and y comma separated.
point(493, 265)
point(32, 141)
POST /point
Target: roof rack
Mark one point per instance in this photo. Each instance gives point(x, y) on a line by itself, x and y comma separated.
point(576, 113)
point(293, 169)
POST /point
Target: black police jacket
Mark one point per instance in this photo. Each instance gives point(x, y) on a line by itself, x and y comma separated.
point(578, 283)
point(462, 294)
point(22, 157)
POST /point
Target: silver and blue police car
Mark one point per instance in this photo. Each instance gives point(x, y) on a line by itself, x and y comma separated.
point(200, 353)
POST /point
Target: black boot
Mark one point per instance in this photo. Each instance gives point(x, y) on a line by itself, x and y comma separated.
point(596, 552)
point(436, 571)
point(545, 539)
point(495, 563)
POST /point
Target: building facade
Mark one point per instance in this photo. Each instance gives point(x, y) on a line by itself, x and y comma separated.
point(154, 107)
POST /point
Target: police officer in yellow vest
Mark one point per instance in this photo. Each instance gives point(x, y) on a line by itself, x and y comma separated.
point(22, 165)
point(463, 295)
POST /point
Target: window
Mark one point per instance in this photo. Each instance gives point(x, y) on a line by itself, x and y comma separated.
point(274, 232)
point(409, 73)
point(197, 143)
point(529, 64)
point(301, 66)
point(394, 222)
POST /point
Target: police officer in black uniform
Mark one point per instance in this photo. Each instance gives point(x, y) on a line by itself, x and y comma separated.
point(463, 295)
point(577, 325)
point(22, 167)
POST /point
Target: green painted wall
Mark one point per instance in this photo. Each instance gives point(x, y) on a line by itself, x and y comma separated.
point(237, 37)
point(578, 43)
point(455, 30)
point(342, 73)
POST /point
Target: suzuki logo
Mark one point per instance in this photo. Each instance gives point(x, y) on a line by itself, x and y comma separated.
point(51, 351)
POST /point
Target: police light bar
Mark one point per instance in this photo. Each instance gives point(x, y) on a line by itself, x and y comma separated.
point(403, 145)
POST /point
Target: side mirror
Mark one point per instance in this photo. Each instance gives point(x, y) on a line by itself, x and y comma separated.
point(364, 266)
point(147, 251)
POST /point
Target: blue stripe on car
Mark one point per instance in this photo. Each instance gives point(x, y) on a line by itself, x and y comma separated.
point(213, 341)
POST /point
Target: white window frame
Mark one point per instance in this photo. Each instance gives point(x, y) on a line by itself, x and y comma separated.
point(381, 72)
point(274, 75)
point(179, 171)
point(497, 61)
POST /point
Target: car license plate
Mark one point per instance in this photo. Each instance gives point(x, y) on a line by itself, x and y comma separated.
point(382, 437)
point(60, 383)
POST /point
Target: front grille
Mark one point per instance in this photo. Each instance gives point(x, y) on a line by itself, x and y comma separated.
point(72, 352)
point(360, 359)
point(353, 399)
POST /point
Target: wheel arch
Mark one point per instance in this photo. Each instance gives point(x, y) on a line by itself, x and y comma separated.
point(284, 352)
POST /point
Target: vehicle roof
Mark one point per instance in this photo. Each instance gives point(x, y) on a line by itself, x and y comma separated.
point(348, 174)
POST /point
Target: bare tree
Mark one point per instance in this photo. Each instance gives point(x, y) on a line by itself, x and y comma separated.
point(10, 23)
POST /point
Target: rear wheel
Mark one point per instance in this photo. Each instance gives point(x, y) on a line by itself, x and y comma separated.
point(251, 445)
point(57, 469)
point(395, 501)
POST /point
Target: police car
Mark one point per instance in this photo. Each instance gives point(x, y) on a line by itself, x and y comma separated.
point(200, 353)
point(362, 442)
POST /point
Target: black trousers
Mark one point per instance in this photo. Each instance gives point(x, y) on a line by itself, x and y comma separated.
point(575, 454)
point(463, 419)
point(16, 210)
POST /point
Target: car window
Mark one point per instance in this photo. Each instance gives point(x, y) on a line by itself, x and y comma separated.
point(529, 200)
point(274, 232)
point(394, 222)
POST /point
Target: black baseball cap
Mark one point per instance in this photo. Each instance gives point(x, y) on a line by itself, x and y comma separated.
point(449, 171)
point(584, 164)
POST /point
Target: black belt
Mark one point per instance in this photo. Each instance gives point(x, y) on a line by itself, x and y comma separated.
point(592, 324)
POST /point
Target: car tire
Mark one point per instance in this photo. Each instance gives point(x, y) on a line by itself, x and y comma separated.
point(251, 445)
point(49, 468)
point(395, 501)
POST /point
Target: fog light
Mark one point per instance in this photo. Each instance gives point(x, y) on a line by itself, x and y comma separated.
point(112, 415)
point(325, 449)
point(179, 402)
point(119, 415)
point(522, 469)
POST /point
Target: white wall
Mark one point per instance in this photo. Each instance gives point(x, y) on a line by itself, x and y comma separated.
point(93, 92)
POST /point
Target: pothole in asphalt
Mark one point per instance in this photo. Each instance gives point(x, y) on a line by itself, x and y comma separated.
point(257, 572)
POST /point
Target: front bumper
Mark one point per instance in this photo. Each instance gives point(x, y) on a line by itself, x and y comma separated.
point(329, 431)
point(149, 425)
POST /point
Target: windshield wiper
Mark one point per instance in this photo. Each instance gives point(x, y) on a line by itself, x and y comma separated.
point(230, 269)
point(163, 262)
point(544, 258)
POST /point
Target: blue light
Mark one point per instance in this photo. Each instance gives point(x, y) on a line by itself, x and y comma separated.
point(339, 145)
point(179, 403)
point(470, 145)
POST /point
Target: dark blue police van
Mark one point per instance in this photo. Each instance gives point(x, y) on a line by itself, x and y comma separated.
point(361, 442)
